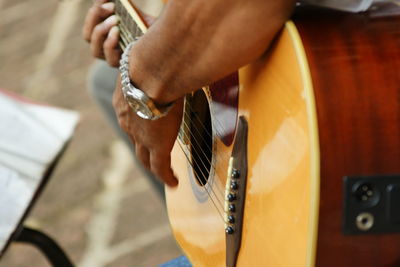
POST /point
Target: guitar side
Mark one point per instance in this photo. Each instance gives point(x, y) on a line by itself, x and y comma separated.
point(355, 64)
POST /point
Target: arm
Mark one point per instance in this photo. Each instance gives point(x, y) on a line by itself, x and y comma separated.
point(196, 42)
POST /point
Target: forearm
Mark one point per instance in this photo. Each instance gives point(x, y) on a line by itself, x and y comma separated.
point(196, 42)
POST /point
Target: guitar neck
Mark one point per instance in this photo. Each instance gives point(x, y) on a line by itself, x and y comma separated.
point(131, 23)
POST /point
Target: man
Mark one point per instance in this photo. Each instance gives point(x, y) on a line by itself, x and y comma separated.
point(192, 44)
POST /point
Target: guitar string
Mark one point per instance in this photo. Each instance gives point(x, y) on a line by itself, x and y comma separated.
point(226, 158)
point(204, 165)
point(221, 212)
point(123, 37)
point(124, 34)
point(202, 125)
point(123, 43)
point(215, 200)
point(222, 159)
point(196, 141)
point(218, 158)
point(211, 165)
point(217, 122)
point(187, 157)
point(203, 186)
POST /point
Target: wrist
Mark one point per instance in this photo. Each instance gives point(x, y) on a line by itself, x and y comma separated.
point(141, 103)
point(146, 75)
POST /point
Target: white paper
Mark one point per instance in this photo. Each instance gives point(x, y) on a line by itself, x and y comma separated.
point(31, 136)
point(16, 193)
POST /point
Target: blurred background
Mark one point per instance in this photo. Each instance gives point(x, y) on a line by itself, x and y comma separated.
point(97, 205)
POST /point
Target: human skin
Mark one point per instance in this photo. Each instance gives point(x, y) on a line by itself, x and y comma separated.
point(193, 43)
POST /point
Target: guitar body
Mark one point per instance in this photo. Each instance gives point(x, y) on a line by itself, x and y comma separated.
point(321, 104)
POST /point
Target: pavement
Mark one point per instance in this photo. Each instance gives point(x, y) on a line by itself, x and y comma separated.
point(98, 205)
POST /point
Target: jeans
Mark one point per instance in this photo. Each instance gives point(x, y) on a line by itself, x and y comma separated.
point(181, 261)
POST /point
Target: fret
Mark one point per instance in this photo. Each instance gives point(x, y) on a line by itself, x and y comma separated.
point(124, 40)
point(126, 33)
point(122, 45)
point(125, 36)
point(128, 22)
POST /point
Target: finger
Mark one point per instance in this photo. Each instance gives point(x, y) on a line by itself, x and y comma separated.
point(111, 48)
point(96, 14)
point(160, 165)
point(99, 36)
point(142, 153)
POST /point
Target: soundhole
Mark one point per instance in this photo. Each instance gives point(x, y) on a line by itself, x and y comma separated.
point(201, 141)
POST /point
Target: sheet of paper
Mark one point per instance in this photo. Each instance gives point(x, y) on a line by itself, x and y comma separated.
point(16, 191)
point(31, 136)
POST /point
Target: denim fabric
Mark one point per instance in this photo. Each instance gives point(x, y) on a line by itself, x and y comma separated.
point(181, 261)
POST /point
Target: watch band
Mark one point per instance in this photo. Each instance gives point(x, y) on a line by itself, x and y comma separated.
point(141, 103)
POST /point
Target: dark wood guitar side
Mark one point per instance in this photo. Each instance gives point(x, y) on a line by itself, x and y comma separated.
point(355, 65)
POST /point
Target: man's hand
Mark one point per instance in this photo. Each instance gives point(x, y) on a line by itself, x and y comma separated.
point(153, 139)
point(101, 32)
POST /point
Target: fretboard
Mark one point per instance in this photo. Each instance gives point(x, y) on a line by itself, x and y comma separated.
point(130, 23)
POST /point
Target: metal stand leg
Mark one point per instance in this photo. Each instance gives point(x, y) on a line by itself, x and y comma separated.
point(46, 245)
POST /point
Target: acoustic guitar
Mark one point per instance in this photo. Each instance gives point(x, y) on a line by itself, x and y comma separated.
point(265, 157)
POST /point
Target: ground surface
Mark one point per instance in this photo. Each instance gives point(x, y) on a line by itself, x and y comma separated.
point(98, 204)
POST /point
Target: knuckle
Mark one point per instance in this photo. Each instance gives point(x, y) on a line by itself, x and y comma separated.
point(96, 42)
point(107, 46)
point(96, 51)
point(112, 56)
point(158, 167)
point(113, 62)
point(157, 172)
point(92, 13)
point(98, 30)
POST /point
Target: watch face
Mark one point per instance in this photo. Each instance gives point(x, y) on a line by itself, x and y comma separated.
point(141, 109)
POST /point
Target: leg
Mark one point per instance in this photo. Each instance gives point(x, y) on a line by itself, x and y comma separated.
point(101, 85)
point(181, 261)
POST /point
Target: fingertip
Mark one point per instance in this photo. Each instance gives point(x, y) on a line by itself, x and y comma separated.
point(173, 182)
point(109, 6)
point(111, 21)
point(114, 33)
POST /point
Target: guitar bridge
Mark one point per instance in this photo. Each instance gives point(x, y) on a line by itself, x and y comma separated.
point(235, 191)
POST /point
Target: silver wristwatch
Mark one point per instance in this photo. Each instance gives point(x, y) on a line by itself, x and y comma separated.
point(141, 104)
